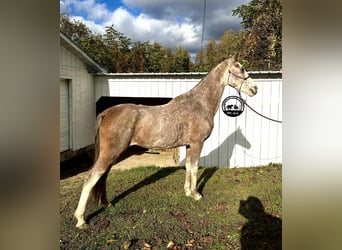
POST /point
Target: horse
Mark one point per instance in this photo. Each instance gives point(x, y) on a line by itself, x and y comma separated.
point(186, 120)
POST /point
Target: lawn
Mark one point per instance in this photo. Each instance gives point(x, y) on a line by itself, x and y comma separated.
point(241, 209)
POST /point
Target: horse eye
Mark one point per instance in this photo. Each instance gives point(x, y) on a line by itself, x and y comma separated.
point(242, 69)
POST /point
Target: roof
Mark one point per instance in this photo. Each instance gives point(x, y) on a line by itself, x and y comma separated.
point(93, 67)
point(253, 74)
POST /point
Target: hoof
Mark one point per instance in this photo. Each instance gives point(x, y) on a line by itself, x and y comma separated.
point(103, 202)
point(83, 226)
point(187, 193)
point(196, 196)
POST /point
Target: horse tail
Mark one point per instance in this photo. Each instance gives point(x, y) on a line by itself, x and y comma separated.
point(99, 190)
point(97, 139)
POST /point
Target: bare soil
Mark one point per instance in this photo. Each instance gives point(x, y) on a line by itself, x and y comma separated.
point(134, 157)
point(149, 158)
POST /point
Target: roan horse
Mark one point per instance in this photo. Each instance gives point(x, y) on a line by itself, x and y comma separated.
point(187, 120)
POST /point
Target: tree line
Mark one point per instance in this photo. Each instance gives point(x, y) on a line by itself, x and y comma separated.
point(258, 44)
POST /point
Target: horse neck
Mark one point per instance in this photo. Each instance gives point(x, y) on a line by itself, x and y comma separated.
point(209, 91)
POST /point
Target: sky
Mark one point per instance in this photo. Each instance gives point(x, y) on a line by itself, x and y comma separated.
point(170, 23)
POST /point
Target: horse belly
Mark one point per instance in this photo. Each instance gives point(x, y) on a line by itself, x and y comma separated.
point(157, 134)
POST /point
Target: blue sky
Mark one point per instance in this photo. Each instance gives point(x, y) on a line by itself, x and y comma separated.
point(169, 22)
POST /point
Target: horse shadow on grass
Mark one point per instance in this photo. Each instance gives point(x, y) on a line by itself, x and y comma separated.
point(160, 174)
point(262, 230)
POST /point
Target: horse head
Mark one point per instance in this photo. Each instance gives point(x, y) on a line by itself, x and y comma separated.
point(238, 78)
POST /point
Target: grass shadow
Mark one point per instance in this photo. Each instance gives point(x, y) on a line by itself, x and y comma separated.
point(262, 230)
point(205, 176)
point(160, 174)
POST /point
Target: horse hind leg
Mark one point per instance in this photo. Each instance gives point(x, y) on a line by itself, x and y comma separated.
point(96, 177)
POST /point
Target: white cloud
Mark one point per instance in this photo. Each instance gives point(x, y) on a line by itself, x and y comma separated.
point(121, 19)
point(145, 28)
point(93, 10)
point(94, 27)
point(168, 22)
point(64, 6)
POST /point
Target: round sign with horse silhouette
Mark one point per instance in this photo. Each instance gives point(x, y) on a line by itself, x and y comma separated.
point(233, 106)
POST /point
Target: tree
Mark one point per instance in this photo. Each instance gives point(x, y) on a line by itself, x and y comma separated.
point(166, 60)
point(211, 55)
point(261, 44)
point(118, 46)
point(75, 30)
point(229, 44)
point(181, 60)
point(199, 62)
point(136, 58)
point(153, 57)
point(96, 49)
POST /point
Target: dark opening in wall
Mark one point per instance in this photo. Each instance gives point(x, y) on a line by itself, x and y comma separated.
point(109, 101)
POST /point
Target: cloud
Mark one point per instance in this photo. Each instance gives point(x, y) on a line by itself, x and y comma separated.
point(93, 26)
point(169, 9)
point(192, 9)
point(90, 8)
point(169, 22)
point(146, 28)
point(64, 7)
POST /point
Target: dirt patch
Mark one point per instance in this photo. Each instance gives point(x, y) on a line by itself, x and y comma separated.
point(149, 158)
point(134, 157)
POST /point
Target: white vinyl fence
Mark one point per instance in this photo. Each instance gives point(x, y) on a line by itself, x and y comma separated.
point(242, 141)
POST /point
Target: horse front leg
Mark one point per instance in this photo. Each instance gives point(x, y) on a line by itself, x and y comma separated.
point(192, 156)
point(193, 186)
point(187, 183)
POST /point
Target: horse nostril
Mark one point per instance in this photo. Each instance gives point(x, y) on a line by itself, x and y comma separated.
point(255, 90)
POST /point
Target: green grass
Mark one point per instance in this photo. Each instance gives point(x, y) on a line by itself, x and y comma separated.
point(148, 205)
